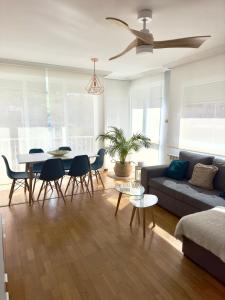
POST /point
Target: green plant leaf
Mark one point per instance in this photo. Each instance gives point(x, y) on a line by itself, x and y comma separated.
point(119, 145)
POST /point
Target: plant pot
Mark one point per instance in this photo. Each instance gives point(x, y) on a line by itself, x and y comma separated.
point(122, 170)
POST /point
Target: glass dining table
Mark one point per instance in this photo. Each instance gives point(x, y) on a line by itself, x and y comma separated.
point(31, 158)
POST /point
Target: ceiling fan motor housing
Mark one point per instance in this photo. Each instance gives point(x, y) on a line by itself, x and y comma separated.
point(144, 15)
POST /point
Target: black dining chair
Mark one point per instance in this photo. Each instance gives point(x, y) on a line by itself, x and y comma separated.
point(50, 175)
point(98, 164)
point(79, 169)
point(66, 162)
point(18, 178)
point(66, 148)
point(37, 167)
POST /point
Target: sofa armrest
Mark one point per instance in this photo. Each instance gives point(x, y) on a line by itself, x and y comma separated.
point(151, 172)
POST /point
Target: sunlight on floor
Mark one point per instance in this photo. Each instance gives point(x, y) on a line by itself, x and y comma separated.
point(167, 237)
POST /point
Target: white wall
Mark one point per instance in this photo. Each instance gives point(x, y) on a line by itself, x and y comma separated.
point(200, 72)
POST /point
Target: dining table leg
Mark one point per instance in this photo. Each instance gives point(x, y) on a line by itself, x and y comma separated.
point(30, 174)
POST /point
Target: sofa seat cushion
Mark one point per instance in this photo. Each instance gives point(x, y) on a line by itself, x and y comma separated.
point(185, 192)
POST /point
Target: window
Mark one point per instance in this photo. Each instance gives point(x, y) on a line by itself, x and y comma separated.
point(202, 123)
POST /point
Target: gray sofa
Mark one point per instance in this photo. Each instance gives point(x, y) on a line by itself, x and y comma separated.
point(180, 197)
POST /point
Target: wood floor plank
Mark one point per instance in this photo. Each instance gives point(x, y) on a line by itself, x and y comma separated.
point(82, 251)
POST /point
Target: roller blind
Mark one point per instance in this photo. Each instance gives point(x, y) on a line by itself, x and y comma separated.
point(202, 122)
point(146, 99)
point(69, 105)
point(44, 108)
point(148, 96)
point(23, 108)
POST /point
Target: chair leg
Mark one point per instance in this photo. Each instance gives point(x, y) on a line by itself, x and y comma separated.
point(87, 187)
point(46, 187)
point(68, 184)
point(34, 184)
point(61, 182)
point(11, 191)
point(51, 185)
point(40, 190)
point(77, 185)
point(73, 189)
point(82, 185)
point(26, 185)
point(57, 185)
point(96, 175)
point(101, 179)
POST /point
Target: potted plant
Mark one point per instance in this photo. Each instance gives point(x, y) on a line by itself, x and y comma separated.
point(119, 145)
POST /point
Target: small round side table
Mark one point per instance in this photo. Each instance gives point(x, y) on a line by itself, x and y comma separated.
point(142, 202)
point(133, 188)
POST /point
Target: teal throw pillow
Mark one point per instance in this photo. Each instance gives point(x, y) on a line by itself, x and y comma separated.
point(177, 169)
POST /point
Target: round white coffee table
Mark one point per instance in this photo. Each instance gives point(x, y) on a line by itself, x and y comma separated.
point(142, 202)
point(132, 188)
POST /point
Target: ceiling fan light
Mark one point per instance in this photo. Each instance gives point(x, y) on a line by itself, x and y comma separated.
point(143, 49)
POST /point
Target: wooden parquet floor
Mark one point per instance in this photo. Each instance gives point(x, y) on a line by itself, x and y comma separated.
point(81, 251)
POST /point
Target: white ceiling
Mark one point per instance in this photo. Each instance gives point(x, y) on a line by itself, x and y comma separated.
point(70, 32)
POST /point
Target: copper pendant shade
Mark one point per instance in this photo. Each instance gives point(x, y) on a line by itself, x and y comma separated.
point(94, 86)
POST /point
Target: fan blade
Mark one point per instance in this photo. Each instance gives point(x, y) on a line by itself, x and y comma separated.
point(189, 42)
point(118, 22)
point(145, 37)
point(128, 48)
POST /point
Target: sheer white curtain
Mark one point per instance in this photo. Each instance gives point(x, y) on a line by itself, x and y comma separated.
point(45, 108)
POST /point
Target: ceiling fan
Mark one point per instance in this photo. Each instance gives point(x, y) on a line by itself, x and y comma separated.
point(144, 41)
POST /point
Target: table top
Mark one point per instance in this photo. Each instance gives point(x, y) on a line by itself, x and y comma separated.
point(41, 157)
point(133, 188)
point(144, 201)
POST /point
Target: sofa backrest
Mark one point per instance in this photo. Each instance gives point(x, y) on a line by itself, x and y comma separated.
point(219, 181)
point(193, 159)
